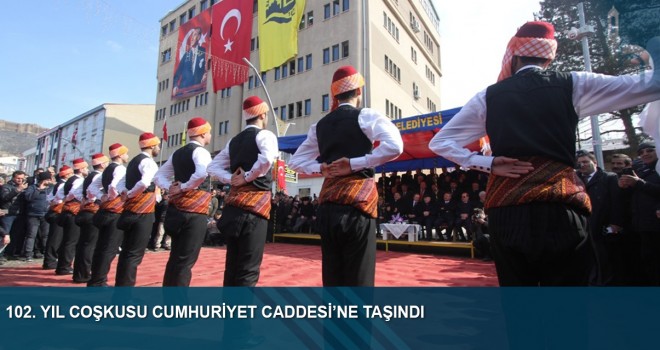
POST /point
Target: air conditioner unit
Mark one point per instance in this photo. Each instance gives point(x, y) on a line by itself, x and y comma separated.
point(416, 94)
point(415, 26)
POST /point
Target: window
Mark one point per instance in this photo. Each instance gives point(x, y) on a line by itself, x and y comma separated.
point(413, 54)
point(277, 73)
point(326, 55)
point(390, 26)
point(335, 52)
point(292, 67)
point(250, 82)
point(301, 64)
point(326, 11)
point(283, 113)
point(275, 110)
point(308, 63)
point(163, 30)
point(253, 44)
point(308, 107)
point(226, 125)
point(310, 18)
point(220, 128)
point(299, 109)
point(263, 77)
point(325, 103)
point(172, 25)
point(392, 69)
point(303, 22)
point(430, 105)
point(345, 5)
point(344, 49)
point(191, 13)
point(203, 5)
point(335, 7)
point(182, 19)
point(166, 56)
point(285, 71)
point(291, 111)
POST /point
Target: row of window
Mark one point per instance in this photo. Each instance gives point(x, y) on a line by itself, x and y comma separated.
point(307, 20)
point(332, 9)
point(202, 99)
point(186, 16)
point(225, 93)
point(222, 127)
point(164, 85)
point(180, 107)
point(413, 54)
point(391, 110)
point(160, 114)
point(336, 54)
point(391, 27)
point(294, 110)
point(174, 140)
point(254, 43)
point(392, 69)
point(430, 75)
point(430, 104)
point(428, 42)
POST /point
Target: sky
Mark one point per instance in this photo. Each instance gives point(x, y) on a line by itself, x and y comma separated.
point(65, 57)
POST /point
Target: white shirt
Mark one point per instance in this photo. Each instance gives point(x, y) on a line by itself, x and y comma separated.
point(592, 94)
point(76, 189)
point(165, 174)
point(268, 151)
point(374, 125)
point(95, 189)
point(148, 169)
point(117, 175)
point(58, 197)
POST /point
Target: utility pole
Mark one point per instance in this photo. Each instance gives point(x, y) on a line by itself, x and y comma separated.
point(583, 34)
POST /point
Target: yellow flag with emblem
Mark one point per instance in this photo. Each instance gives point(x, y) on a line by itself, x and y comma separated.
point(278, 31)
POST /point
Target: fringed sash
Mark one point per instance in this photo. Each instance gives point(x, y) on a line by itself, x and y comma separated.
point(251, 199)
point(550, 181)
point(91, 207)
point(144, 203)
point(72, 206)
point(57, 208)
point(113, 206)
point(354, 190)
point(193, 201)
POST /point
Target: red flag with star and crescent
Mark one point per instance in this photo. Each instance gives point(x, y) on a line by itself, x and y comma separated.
point(230, 42)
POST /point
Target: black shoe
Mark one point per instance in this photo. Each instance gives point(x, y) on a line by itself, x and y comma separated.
point(165, 248)
point(75, 280)
point(46, 267)
point(64, 272)
point(38, 256)
point(28, 259)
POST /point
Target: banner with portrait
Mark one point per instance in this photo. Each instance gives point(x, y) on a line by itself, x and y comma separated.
point(190, 68)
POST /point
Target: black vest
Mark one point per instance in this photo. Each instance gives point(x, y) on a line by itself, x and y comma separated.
point(88, 181)
point(106, 177)
point(69, 183)
point(339, 135)
point(133, 174)
point(532, 114)
point(243, 153)
point(183, 163)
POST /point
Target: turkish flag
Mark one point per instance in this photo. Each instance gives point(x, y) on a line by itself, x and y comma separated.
point(165, 131)
point(281, 179)
point(230, 42)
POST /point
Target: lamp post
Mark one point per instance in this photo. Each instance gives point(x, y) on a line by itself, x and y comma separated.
point(583, 34)
point(75, 148)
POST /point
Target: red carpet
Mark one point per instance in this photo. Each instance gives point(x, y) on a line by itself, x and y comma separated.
point(286, 265)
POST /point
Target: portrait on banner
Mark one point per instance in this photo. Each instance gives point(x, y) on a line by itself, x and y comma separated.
point(190, 67)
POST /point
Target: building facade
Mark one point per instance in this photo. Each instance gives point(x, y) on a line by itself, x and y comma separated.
point(394, 43)
point(93, 132)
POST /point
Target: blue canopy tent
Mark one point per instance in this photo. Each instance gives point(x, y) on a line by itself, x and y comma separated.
point(416, 132)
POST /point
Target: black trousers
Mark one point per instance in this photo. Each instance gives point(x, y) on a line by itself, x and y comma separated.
point(650, 254)
point(107, 246)
point(136, 238)
point(245, 235)
point(187, 231)
point(69, 240)
point(53, 243)
point(89, 234)
point(348, 244)
point(540, 244)
point(36, 226)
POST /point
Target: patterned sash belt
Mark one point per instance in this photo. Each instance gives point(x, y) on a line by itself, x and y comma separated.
point(194, 201)
point(354, 190)
point(57, 208)
point(91, 207)
point(250, 198)
point(549, 182)
point(72, 207)
point(144, 203)
point(113, 206)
